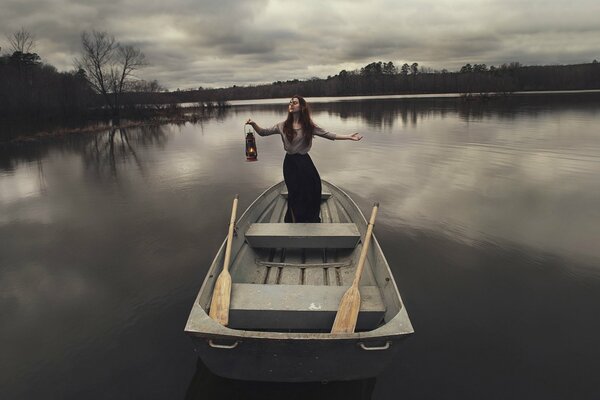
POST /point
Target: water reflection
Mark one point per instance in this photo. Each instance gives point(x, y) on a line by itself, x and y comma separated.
point(11, 156)
point(374, 114)
point(206, 385)
point(105, 152)
point(408, 112)
point(489, 220)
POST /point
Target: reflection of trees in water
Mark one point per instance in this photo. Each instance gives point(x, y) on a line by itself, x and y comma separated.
point(24, 132)
point(218, 113)
point(200, 114)
point(387, 113)
point(43, 185)
point(206, 385)
point(12, 156)
point(106, 152)
point(102, 153)
point(391, 112)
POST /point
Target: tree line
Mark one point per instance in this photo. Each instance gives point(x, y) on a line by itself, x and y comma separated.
point(384, 78)
point(102, 76)
point(32, 89)
point(103, 82)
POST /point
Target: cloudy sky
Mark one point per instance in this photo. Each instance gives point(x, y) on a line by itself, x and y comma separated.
point(191, 43)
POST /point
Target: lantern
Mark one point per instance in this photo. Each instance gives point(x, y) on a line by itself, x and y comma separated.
point(251, 152)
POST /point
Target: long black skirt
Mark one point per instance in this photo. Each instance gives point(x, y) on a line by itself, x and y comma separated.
point(304, 188)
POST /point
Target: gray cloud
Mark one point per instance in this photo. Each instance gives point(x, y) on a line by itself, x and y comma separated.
point(208, 43)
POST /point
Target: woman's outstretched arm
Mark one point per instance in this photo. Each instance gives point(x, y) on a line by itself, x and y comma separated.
point(332, 136)
point(262, 131)
point(355, 136)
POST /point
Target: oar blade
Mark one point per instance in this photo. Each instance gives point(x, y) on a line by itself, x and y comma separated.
point(347, 314)
point(219, 306)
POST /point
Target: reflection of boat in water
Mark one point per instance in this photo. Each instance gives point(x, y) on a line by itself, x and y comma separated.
point(288, 280)
point(206, 385)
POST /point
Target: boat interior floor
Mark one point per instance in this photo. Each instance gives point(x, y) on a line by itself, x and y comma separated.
point(291, 277)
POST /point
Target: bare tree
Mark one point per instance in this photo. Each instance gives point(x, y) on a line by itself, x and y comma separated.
point(22, 41)
point(109, 66)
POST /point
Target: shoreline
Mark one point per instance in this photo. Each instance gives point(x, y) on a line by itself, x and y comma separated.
point(180, 113)
point(97, 126)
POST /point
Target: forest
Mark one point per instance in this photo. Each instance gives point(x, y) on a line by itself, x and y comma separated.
point(96, 87)
point(384, 78)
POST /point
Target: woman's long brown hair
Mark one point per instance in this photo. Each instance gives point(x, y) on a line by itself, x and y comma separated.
point(308, 126)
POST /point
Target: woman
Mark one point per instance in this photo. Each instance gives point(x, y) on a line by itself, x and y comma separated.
point(301, 177)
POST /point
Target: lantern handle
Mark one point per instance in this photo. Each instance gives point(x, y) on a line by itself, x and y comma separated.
point(249, 129)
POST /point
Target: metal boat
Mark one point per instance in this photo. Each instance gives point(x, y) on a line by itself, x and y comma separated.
point(288, 280)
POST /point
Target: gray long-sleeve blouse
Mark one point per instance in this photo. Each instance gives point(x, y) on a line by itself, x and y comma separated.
point(296, 146)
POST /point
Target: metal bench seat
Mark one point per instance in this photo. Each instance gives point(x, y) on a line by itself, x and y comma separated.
point(324, 195)
point(289, 307)
point(308, 236)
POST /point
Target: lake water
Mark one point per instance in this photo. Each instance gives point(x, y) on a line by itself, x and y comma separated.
point(489, 217)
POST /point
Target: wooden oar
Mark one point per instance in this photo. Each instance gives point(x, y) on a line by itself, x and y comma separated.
point(347, 314)
point(219, 306)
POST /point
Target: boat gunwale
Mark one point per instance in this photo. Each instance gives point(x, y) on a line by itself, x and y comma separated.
point(200, 325)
